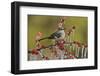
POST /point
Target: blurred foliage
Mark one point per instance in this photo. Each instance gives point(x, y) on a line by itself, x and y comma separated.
point(48, 24)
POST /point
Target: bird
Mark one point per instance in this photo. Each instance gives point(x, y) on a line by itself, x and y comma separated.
point(59, 34)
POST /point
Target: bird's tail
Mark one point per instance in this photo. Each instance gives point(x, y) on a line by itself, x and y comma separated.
point(43, 38)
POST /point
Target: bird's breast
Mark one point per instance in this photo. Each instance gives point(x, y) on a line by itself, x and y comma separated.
point(62, 34)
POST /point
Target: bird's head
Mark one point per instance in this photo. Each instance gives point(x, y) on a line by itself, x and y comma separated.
point(61, 28)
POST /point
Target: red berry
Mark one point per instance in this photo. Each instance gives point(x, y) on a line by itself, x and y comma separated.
point(74, 42)
point(46, 58)
point(73, 27)
point(34, 51)
point(42, 46)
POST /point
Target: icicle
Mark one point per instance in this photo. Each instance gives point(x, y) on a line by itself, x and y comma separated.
point(73, 44)
point(40, 52)
point(70, 48)
point(82, 52)
point(77, 49)
point(73, 32)
point(86, 52)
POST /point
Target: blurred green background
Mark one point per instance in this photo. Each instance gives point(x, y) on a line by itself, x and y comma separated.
point(48, 24)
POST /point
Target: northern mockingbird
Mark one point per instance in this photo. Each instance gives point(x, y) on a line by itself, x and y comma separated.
point(59, 34)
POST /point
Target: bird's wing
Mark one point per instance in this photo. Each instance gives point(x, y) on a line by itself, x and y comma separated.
point(55, 35)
